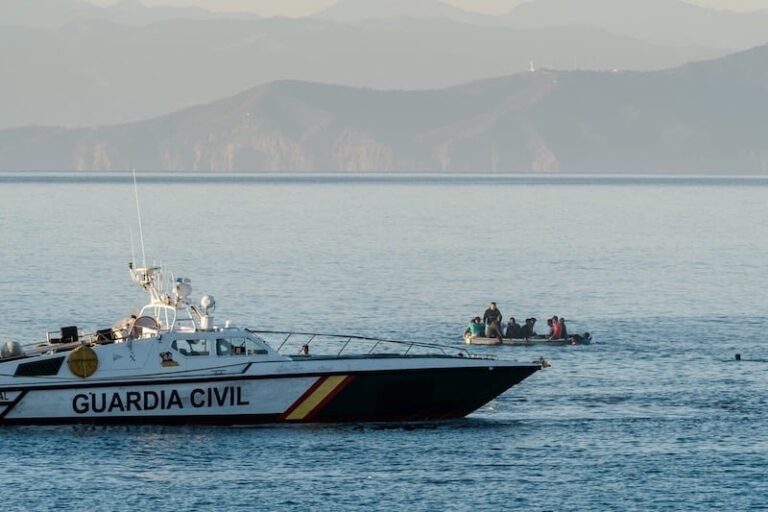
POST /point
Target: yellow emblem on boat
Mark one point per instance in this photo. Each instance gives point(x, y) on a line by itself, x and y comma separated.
point(83, 361)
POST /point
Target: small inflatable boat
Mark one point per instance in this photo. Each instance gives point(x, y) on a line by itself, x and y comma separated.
point(580, 339)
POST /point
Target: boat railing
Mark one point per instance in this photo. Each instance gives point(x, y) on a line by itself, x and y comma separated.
point(291, 343)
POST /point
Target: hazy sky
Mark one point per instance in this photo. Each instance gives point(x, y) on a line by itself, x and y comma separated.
point(304, 7)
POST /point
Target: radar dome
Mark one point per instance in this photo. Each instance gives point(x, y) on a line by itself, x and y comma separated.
point(11, 349)
point(208, 303)
point(182, 288)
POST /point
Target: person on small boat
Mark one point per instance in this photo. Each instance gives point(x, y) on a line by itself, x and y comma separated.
point(578, 339)
point(528, 329)
point(556, 331)
point(492, 315)
point(513, 328)
point(551, 328)
point(475, 327)
point(563, 331)
point(525, 331)
point(492, 319)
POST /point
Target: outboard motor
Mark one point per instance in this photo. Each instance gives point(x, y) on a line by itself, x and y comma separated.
point(11, 349)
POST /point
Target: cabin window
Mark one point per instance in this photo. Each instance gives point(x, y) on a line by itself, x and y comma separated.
point(238, 347)
point(191, 347)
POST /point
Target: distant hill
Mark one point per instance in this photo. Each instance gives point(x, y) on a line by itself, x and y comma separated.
point(708, 117)
point(732, 5)
point(670, 22)
point(360, 10)
point(57, 13)
point(663, 22)
point(94, 72)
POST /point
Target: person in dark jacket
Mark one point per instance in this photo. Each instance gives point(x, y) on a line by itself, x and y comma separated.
point(492, 314)
point(492, 318)
point(513, 328)
point(527, 330)
point(563, 331)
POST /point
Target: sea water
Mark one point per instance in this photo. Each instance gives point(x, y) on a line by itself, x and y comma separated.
point(667, 273)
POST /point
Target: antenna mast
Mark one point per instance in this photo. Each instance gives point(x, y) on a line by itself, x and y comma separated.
point(138, 212)
point(133, 253)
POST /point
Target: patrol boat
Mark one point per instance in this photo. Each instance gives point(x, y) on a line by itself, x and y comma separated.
point(171, 364)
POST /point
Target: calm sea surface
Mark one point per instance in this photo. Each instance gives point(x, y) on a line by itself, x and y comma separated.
point(669, 275)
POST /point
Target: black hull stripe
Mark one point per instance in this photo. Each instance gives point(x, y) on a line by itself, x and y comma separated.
point(230, 378)
point(13, 404)
point(220, 420)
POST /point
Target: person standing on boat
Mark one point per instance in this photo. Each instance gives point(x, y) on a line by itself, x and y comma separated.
point(563, 331)
point(492, 319)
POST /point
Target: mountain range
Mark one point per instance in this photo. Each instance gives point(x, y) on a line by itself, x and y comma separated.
point(70, 63)
point(361, 10)
point(732, 5)
point(57, 13)
point(705, 117)
point(97, 72)
point(656, 21)
point(663, 22)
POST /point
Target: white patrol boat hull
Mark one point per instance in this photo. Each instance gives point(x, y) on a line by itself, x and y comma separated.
point(300, 389)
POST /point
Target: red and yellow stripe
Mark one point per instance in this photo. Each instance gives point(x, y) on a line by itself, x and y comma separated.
point(316, 397)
